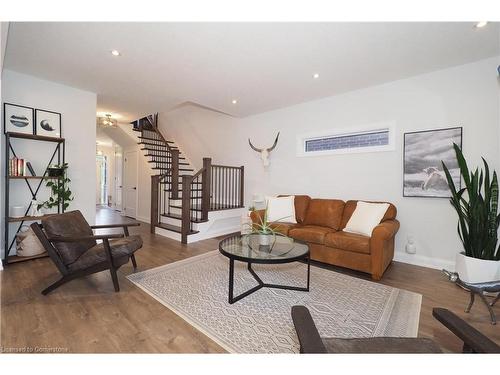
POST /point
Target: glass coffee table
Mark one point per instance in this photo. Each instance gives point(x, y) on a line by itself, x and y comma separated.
point(247, 248)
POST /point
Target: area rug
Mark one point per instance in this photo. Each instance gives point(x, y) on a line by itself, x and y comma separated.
point(342, 306)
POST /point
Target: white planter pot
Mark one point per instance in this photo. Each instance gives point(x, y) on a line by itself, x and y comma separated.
point(473, 270)
point(265, 239)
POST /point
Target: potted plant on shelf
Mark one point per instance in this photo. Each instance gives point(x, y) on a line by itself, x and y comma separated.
point(56, 170)
point(478, 220)
point(60, 191)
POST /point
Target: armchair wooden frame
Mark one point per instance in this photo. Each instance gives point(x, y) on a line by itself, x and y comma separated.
point(67, 274)
point(473, 340)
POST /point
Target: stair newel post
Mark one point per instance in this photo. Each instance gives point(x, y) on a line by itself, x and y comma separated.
point(175, 174)
point(155, 183)
point(205, 187)
point(186, 207)
point(242, 186)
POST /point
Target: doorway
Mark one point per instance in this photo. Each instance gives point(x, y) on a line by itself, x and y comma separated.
point(130, 184)
point(101, 180)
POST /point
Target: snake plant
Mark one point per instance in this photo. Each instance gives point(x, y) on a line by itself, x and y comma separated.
point(478, 218)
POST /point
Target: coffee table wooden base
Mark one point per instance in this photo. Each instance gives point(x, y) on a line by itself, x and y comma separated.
point(261, 284)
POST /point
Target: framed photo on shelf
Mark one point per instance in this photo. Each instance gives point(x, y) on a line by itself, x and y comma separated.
point(17, 119)
point(424, 153)
point(48, 123)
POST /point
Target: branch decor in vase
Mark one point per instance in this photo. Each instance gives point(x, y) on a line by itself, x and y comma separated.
point(265, 230)
point(478, 221)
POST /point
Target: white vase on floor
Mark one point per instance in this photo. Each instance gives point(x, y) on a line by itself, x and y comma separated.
point(473, 270)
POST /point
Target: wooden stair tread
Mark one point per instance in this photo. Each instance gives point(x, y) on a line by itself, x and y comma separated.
point(213, 207)
point(150, 149)
point(166, 162)
point(163, 156)
point(179, 217)
point(152, 144)
point(175, 228)
point(154, 139)
point(181, 169)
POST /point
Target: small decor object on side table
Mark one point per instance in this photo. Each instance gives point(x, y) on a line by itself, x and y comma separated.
point(18, 119)
point(479, 289)
point(48, 123)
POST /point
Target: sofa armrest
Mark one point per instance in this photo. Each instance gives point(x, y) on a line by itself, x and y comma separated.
point(385, 230)
point(382, 247)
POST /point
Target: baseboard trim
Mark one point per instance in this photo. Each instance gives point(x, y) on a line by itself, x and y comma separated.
point(423, 261)
point(143, 219)
point(207, 235)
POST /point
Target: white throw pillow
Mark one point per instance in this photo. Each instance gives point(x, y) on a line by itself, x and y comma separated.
point(281, 209)
point(365, 217)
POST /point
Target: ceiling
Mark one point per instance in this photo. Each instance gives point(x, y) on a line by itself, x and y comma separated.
point(263, 65)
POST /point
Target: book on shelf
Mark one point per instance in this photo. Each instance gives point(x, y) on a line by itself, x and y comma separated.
point(20, 167)
point(30, 168)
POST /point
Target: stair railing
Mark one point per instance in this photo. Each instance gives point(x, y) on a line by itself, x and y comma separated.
point(159, 197)
point(227, 185)
point(195, 198)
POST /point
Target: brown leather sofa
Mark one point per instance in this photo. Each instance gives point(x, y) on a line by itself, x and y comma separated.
point(320, 223)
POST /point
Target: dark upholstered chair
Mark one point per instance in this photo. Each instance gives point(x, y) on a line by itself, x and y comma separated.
point(72, 246)
point(311, 342)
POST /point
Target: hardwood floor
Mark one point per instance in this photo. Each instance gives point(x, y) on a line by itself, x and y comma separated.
point(86, 315)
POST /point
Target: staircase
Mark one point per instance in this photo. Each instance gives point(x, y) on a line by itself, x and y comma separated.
point(182, 198)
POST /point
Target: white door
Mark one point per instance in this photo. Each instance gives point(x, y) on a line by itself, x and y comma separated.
point(118, 179)
point(130, 183)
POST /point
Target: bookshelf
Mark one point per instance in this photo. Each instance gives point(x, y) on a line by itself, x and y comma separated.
point(13, 225)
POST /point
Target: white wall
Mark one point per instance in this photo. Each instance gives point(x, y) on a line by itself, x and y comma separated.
point(78, 110)
point(4, 30)
point(466, 96)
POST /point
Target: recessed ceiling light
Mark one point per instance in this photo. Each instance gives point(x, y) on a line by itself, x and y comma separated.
point(234, 101)
point(115, 52)
point(481, 24)
point(316, 75)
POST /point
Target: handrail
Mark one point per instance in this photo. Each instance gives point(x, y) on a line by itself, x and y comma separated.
point(225, 166)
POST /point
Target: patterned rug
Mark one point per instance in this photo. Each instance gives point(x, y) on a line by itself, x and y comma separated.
point(342, 306)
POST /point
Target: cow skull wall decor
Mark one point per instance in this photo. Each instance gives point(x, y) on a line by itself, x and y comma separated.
point(264, 152)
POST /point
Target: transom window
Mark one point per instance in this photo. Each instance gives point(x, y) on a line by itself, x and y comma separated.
point(367, 140)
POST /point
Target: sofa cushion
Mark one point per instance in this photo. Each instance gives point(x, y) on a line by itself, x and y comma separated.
point(310, 233)
point(121, 249)
point(281, 209)
point(350, 206)
point(365, 217)
point(348, 241)
point(325, 213)
point(301, 205)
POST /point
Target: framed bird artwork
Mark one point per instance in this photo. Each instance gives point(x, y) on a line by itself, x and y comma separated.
point(48, 123)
